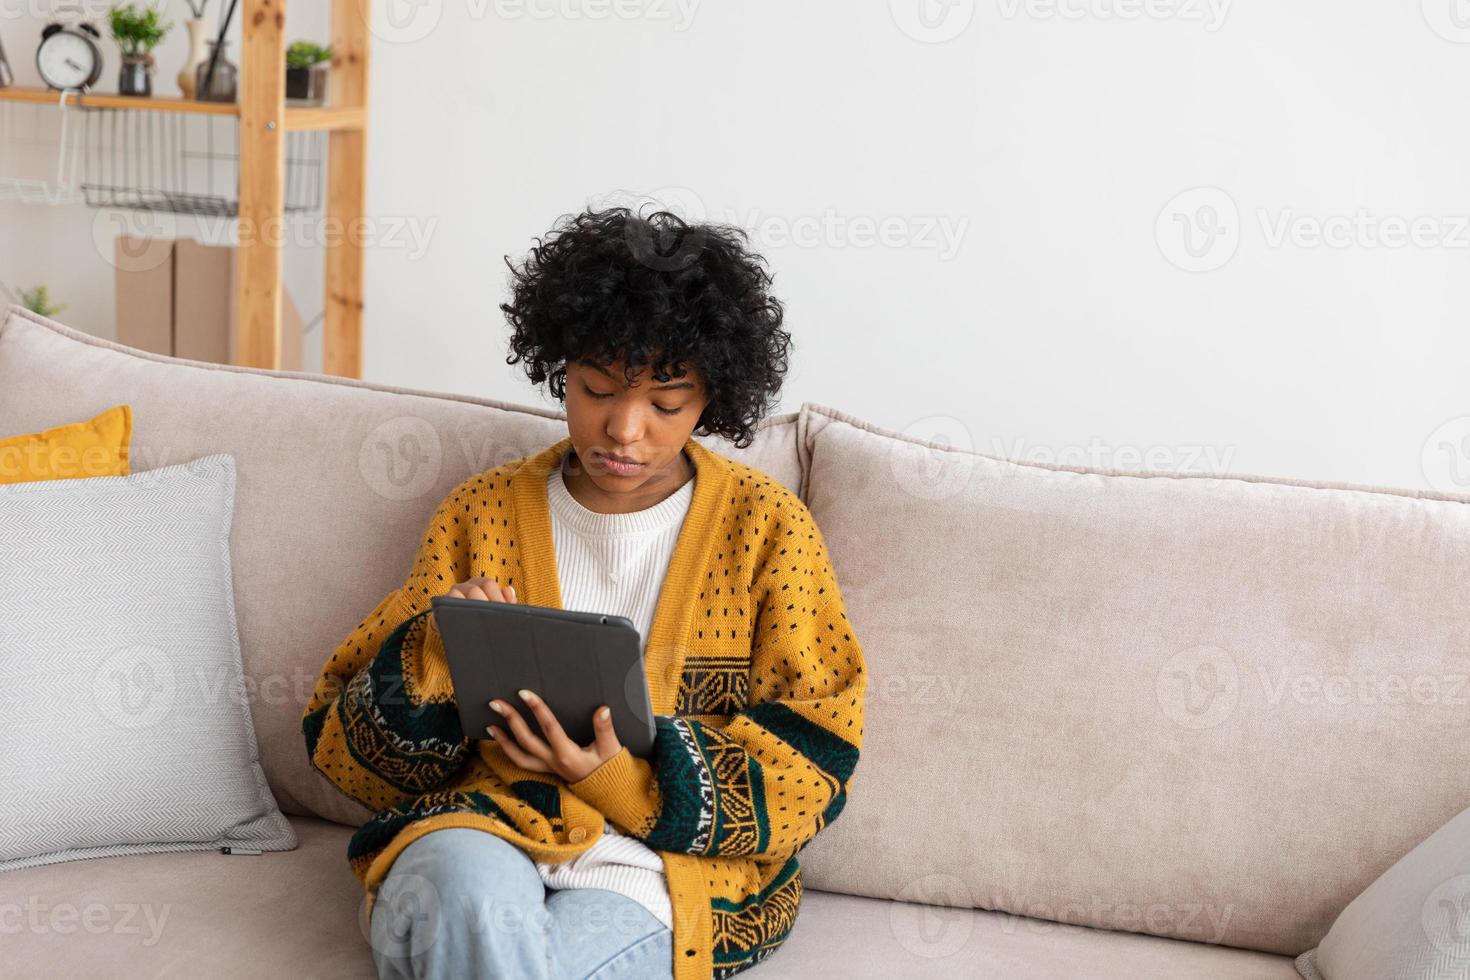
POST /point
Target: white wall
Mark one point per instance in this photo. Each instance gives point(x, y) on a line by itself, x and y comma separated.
point(1051, 141)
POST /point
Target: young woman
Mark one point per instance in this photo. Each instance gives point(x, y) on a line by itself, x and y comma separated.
point(523, 854)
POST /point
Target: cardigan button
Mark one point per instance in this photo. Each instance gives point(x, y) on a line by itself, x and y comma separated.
point(577, 835)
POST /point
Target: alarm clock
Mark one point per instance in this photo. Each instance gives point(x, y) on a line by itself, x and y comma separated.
point(69, 56)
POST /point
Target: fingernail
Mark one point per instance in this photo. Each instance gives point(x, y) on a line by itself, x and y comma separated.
point(603, 714)
point(497, 707)
point(526, 695)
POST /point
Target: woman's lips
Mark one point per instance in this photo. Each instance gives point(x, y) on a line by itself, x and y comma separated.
point(616, 467)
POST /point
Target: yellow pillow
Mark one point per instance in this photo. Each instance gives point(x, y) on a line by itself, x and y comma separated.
point(97, 447)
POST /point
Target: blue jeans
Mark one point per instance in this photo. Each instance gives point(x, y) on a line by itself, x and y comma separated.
point(461, 903)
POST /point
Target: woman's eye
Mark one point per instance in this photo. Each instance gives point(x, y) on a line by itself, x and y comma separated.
point(608, 394)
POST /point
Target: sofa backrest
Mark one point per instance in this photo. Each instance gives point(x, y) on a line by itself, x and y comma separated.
point(1207, 707)
point(336, 480)
point(1214, 708)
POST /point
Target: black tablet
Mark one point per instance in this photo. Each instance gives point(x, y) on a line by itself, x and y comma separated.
point(576, 662)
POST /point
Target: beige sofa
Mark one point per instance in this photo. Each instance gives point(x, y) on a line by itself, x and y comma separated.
point(1119, 725)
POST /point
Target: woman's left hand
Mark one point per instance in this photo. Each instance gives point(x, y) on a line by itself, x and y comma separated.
point(556, 752)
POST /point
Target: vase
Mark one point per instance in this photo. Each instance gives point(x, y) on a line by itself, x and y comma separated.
point(307, 84)
point(135, 77)
point(222, 86)
point(198, 53)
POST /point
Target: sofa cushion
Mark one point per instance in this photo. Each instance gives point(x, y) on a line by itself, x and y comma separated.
point(95, 447)
point(336, 480)
point(1207, 707)
point(125, 727)
point(284, 913)
point(298, 913)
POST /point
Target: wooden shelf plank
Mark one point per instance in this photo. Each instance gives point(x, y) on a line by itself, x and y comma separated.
point(99, 100)
point(298, 117)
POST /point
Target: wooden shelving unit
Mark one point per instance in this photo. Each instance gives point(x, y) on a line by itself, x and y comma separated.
point(264, 118)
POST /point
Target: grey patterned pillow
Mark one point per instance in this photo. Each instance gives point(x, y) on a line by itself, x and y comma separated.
point(124, 724)
point(1412, 923)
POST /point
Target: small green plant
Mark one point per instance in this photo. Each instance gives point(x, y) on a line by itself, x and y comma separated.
point(37, 301)
point(137, 30)
point(304, 54)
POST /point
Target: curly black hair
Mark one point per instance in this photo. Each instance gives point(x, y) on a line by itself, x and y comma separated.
point(652, 290)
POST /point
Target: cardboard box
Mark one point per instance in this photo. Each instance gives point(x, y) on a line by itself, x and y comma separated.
point(145, 294)
point(177, 297)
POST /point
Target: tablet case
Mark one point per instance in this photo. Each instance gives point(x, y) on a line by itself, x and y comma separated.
point(576, 661)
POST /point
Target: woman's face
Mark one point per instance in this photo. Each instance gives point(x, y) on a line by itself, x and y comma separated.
point(646, 420)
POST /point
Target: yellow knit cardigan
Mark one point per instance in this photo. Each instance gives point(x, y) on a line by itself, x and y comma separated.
point(756, 679)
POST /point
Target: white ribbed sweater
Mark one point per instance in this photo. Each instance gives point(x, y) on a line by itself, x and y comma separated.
point(614, 563)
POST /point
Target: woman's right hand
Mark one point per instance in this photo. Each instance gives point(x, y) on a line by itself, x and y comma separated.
point(484, 589)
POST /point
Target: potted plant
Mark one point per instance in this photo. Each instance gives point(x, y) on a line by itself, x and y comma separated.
point(198, 47)
point(39, 302)
point(137, 31)
point(306, 71)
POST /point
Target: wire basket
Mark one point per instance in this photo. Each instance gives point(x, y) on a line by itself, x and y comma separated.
point(186, 163)
point(39, 148)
